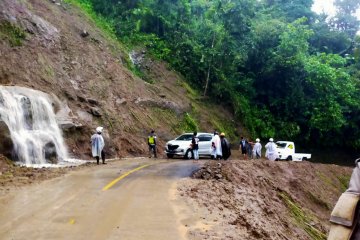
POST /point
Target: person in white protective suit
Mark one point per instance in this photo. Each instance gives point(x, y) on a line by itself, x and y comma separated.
point(97, 145)
point(216, 151)
point(345, 217)
point(257, 149)
point(271, 151)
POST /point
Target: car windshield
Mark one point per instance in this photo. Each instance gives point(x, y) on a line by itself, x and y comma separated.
point(281, 145)
point(185, 137)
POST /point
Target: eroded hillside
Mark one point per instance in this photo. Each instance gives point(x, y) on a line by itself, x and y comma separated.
point(53, 47)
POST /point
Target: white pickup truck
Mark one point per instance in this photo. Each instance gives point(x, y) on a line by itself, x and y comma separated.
point(286, 151)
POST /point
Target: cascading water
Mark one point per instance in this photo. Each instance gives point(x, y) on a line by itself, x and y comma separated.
point(32, 124)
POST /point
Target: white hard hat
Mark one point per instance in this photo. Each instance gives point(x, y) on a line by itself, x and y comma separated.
point(271, 139)
point(257, 140)
point(99, 129)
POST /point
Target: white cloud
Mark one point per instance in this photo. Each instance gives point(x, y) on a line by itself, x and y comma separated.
point(322, 6)
point(327, 6)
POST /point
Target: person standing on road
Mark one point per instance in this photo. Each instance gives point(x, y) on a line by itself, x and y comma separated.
point(152, 144)
point(97, 145)
point(243, 147)
point(257, 149)
point(225, 147)
point(195, 146)
point(216, 146)
point(271, 152)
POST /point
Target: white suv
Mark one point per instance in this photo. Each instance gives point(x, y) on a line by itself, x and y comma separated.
point(180, 146)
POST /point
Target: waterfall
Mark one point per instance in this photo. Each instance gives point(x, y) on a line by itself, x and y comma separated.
point(30, 117)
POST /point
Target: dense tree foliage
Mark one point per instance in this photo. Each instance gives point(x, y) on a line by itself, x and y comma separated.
point(285, 71)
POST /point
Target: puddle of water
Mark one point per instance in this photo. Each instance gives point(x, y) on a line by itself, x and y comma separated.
point(72, 162)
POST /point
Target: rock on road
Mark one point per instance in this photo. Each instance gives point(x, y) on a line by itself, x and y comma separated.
point(140, 206)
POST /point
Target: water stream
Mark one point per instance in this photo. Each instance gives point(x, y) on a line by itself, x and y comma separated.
point(30, 118)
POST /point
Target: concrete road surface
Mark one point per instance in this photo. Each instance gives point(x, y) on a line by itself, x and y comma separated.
point(124, 199)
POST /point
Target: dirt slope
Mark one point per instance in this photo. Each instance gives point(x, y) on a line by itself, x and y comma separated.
point(42, 47)
point(263, 199)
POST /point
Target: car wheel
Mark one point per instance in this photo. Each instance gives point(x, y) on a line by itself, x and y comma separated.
point(170, 155)
point(289, 158)
point(188, 154)
point(304, 158)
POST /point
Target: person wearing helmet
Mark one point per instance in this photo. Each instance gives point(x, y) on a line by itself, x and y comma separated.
point(225, 147)
point(97, 145)
point(257, 149)
point(271, 151)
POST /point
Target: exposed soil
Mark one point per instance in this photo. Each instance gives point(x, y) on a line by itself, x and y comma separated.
point(47, 51)
point(14, 176)
point(260, 199)
point(89, 75)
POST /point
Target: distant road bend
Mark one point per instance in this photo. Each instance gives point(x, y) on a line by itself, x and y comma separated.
point(126, 199)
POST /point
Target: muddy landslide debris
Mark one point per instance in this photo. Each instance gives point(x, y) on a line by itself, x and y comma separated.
point(259, 199)
point(209, 171)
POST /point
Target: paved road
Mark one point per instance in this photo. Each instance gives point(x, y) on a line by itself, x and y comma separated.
point(94, 203)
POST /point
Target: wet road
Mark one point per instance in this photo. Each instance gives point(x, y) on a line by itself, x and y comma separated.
point(100, 202)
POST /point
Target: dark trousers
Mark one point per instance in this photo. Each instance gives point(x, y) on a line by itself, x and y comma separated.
point(102, 157)
point(152, 148)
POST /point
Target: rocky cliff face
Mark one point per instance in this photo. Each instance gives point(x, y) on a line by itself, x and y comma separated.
point(54, 48)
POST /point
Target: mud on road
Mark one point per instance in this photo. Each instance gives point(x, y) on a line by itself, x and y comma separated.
point(260, 199)
point(235, 199)
point(124, 199)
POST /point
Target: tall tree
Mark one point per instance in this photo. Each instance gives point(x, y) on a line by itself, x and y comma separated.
point(345, 19)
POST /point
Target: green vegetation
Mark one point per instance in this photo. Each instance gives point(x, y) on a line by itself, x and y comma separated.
point(12, 33)
point(226, 127)
point(108, 28)
point(303, 219)
point(285, 71)
point(318, 201)
point(101, 22)
point(188, 124)
point(328, 181)
point(344, 182)
point(190, 91)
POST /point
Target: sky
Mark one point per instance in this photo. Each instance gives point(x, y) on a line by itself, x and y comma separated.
point(327, 7)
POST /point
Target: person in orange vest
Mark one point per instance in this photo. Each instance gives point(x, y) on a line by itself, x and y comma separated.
point(152, 143)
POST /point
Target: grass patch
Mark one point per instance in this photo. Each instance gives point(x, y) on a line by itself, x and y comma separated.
point(188, 124)
point(326, 179)
point(344, 182)
point(303, 219)
point(318, 201)
point(166, 116)
point(191, 92)
point(141, 74)
point(12, 33)
point(225, 126)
